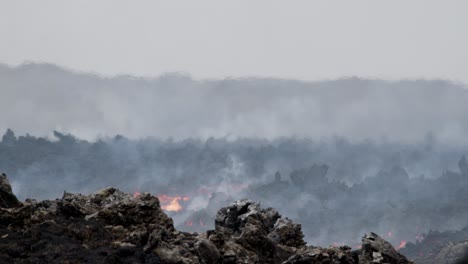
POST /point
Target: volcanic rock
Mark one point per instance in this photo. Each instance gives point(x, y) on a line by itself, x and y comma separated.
point(111, 226)
point(377, 250)
point(310, 255)
point(7, 198)
point(453, 253)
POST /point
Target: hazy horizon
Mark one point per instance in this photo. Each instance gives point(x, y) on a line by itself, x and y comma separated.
point(41, 98)
point(189, 75)
point(306, 40)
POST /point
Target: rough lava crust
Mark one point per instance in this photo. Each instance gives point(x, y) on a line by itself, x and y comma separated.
point(111, 226)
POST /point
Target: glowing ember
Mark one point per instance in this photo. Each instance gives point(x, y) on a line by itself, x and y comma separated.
point(136, 194)
point(402, 244)
point(389, 234)
point(171, 203)
point(189, 223)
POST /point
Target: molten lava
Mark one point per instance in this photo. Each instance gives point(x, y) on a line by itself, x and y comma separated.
point(171, 203)
point(402, 244)
point(136, 194)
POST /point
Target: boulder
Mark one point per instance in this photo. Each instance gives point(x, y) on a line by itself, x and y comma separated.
point(376, 250)
point(7, 198)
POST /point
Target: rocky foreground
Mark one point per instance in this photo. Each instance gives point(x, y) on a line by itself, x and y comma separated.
point(114, 227)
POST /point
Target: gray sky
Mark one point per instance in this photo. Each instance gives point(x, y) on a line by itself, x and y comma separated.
point(214, 39)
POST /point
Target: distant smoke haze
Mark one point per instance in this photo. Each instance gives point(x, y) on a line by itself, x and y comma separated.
point(40, 98)
point(336, 189)
point(392, 147)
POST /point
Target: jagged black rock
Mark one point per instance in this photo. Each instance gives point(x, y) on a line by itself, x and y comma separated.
point(111, 226)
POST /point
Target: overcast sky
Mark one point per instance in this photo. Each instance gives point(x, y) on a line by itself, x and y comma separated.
point(306, 40)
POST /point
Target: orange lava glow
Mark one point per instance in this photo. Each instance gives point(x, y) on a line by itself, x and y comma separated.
point(402, 244)
point(136, 194)
point(189, 223)
point(171, 203)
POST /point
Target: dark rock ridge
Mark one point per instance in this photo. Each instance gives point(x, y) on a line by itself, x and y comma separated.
point(110, 226)
point(7, 198)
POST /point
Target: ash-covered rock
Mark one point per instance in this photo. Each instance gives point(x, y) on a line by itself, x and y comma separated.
point(308, 255)
point(374, 250)
point(110, 226)
point(377, 250)
point(247, 233)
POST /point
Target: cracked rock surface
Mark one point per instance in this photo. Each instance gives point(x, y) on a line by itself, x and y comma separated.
point(111, 226)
